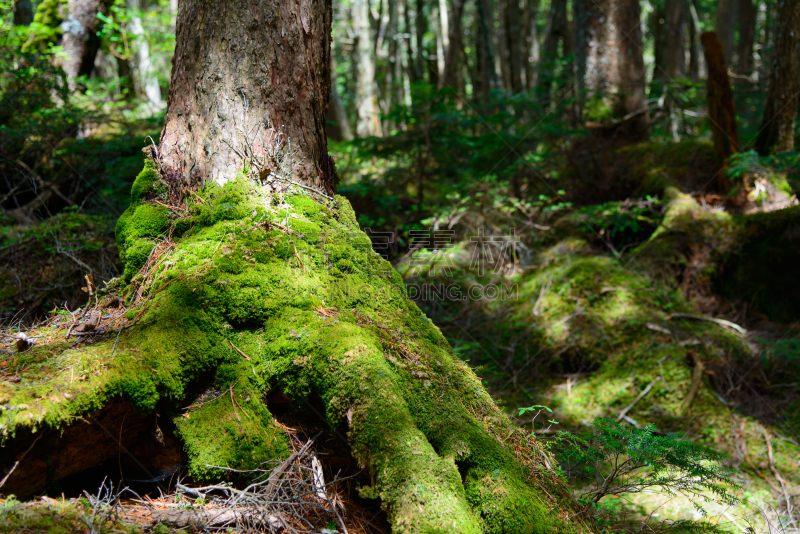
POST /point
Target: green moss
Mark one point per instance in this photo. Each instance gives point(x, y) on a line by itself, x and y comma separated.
point(240, 436)
point(317, 312)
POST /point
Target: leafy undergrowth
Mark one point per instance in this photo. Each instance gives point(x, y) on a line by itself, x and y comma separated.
point(253, 289)
point(569, 322)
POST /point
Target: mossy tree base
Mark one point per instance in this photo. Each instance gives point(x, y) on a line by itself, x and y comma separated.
point(253, 289)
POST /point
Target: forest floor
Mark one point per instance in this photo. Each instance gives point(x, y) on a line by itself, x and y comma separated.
point(654, 305)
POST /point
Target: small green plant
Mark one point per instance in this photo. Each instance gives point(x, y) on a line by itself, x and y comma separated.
point(617, 458)
point(536, 410)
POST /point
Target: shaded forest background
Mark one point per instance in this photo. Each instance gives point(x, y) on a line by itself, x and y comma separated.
point(621, 174)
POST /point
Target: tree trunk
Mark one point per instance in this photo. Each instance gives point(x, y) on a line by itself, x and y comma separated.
point(531, 35)
point(780, 110)
point(223, 114)
point(449, 78)
point(676, 54)
point(420, 27)
point(721, 113)
point(514, 40)
point(748, 11)
point(336, 109)
point(555, 33)
point(23, 13)
point(80, 39)
point(485, 54)
point(147, 82)
point(366, 117)
point(697, 68)
point(726, 25)
point(614, 81)
point(264, 290)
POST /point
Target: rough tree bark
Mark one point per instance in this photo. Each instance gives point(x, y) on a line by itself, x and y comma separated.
point(262, 284)
point(721, 113)
point(610, 66)
point(80, 39)
point(228, 89)
point(780, 110)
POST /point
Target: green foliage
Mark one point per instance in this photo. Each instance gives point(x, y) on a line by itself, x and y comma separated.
point(624, 459)
point(441, 152)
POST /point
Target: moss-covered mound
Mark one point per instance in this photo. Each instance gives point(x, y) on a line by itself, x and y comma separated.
point(252, 289)
point(567, 322)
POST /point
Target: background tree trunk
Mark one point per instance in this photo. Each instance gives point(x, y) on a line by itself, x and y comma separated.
point(147, 82)
point(748, 11)
point(721, 113)
point(555, 33)
point(726, 25)
point(335, 108)
point(366, 121)
point(530, 30)
point(487, 74)
point(780, 110)
point(514, 40)
point(451, 63)
point(80, 39)
point(242, 79)
point(614, 80)
point(23, 13)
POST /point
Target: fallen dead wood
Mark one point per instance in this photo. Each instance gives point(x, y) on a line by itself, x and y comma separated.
point(641, 395)
point(202, 518)
point(697, 377)
point(721, 322)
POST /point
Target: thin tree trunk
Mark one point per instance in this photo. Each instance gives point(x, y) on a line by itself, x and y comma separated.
point(444, 26)
point(451, 56)
point(146, 76)
point(613, 81)
point(367, 123)
point(501, 44)
point(514, 43)
point(726, 25)
point(531, 34)
point(486, 70)
point(780, 110)
point(395, 75)
point(226, 114)
point(721, 113)
point(555, 33)
point(335, 107)
point(748, 11)
point(23, 13)
point(420, 27)
point(80, 39)
point(697, 64)
point(676, 21)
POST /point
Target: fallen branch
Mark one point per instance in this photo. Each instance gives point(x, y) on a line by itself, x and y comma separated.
point(641, 395)
point(697, 376)
point(721, 322)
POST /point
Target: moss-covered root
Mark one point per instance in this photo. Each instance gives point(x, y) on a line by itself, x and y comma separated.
point(253, 291)
point(421, 491)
